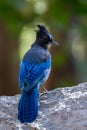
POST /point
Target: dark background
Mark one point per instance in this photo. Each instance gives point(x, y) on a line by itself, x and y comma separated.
point(65, 19)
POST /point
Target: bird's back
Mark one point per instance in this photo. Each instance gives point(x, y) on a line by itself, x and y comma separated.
point(36, 54)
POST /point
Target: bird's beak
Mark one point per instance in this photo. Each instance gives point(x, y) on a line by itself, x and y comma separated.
point(55, 43)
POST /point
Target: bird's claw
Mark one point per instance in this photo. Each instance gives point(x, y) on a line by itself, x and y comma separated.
point(45, 91)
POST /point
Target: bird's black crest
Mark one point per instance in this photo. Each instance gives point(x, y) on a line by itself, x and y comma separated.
point(42, 31)
point(41, 28)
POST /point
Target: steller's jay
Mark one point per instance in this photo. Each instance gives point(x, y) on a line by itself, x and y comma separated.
point(34, 71)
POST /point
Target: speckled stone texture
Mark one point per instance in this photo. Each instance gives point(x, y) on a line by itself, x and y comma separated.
point(60, 109)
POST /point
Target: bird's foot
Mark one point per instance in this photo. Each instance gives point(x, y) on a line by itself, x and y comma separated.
point(45, 91)
point(41, 94)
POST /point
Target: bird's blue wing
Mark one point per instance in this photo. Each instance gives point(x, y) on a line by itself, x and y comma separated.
point(33, 74)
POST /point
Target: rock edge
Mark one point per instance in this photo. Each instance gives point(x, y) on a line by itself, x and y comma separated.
point(60, 109)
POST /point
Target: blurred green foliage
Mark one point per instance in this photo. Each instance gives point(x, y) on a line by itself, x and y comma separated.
point(66, 20)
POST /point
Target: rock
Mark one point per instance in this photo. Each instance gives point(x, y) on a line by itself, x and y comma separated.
point(60, 109)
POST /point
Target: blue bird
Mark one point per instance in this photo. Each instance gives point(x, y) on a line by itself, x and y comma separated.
point(35, 68)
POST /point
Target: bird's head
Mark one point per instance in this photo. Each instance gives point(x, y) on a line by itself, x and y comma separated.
point(44, 38)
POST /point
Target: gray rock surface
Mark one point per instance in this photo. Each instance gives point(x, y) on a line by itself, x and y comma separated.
point(60, 109)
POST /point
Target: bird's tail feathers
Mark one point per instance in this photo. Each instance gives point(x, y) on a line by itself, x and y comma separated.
point(28, 106)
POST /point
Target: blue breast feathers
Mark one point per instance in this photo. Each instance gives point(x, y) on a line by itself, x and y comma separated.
point(33, 74)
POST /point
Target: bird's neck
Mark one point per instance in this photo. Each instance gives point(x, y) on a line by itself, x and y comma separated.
point(42, 44)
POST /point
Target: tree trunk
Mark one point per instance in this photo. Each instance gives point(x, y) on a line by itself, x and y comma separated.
point(8, 62)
